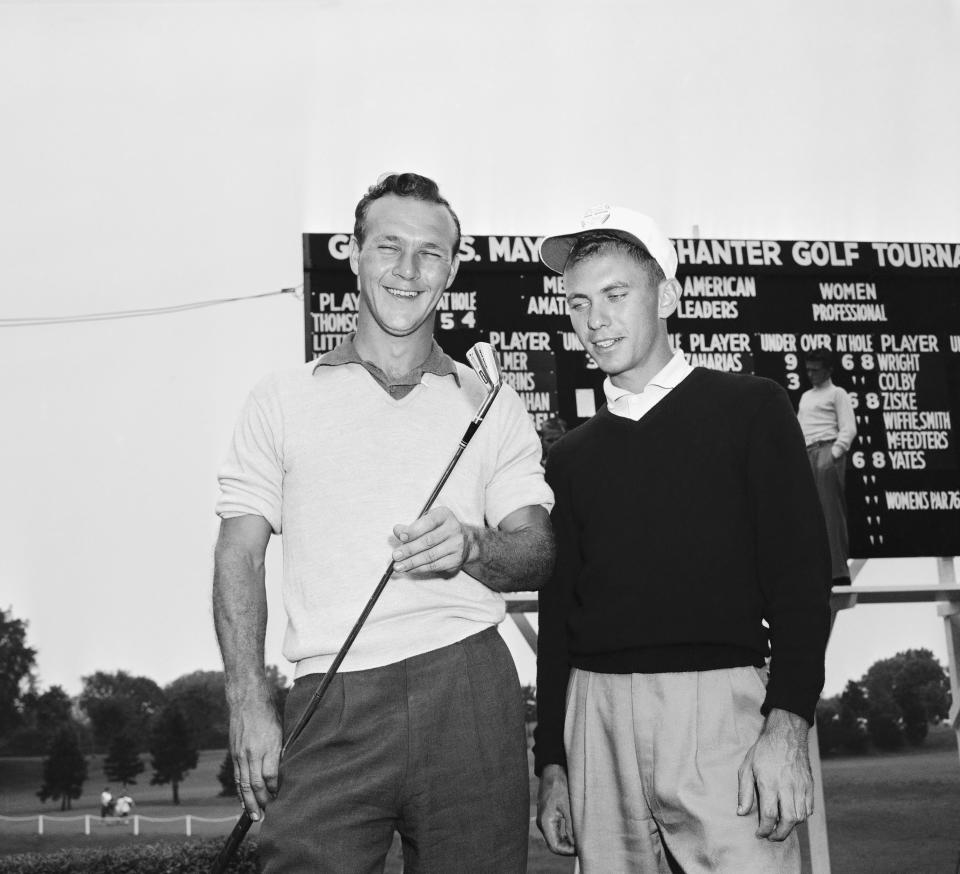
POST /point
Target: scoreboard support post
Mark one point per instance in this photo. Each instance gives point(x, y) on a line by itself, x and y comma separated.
point(951, 625)
point(526, 629)
point(817, 824)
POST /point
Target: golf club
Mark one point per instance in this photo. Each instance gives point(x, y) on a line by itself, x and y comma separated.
point(483, 359)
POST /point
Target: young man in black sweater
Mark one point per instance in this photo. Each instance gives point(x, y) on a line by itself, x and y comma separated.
point(690, 542)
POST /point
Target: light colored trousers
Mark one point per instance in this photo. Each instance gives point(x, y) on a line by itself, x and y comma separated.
point(652, 762)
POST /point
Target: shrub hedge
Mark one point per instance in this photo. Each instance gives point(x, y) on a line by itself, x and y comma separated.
point(160, 858)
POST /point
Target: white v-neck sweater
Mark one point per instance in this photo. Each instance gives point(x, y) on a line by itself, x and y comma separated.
point(332, 462)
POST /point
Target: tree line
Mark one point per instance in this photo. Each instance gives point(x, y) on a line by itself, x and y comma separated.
point(117, 715)
point(123, 716)
point(891, 706)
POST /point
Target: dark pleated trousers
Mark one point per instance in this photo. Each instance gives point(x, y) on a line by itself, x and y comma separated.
point(432, 747)
point(829, 475)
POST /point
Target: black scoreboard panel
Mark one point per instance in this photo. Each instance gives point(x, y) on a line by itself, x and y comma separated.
point(889, 311)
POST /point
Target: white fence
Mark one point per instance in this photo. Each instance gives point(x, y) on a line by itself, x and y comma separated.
point(89, 821)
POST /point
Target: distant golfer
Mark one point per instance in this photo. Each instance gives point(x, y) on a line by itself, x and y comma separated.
point(829, 428)
point(422, 730)
point(685, 519)
point(123, 805)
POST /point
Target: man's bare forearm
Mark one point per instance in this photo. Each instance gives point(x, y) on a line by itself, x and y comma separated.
point(240, 618)
point(512, 561)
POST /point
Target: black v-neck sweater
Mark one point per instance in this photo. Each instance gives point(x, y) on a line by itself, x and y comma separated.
point(677, 537)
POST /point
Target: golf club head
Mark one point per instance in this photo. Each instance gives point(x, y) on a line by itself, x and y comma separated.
point(485, 363)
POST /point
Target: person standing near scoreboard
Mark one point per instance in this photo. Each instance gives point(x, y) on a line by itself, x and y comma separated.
point(829, 429)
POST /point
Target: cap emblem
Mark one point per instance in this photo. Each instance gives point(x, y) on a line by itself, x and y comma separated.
point(595, 216)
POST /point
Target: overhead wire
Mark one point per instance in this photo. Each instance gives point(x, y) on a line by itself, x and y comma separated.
point(33, 321)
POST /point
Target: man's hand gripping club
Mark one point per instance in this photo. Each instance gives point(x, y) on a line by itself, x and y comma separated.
point(437, 542)
point(256, 738)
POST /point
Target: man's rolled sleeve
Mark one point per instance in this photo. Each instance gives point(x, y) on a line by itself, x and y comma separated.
point(251, 477)
point(518, 479)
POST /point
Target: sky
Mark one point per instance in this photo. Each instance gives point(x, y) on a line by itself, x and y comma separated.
point(159, 153)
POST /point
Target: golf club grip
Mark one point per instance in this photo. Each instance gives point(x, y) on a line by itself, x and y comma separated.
point(229, 849)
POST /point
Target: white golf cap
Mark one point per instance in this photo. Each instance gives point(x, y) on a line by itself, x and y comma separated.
point(631, 226)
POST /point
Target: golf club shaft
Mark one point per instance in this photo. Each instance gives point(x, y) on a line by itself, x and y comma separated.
point(352, 636)
point(240, 830)
point(234, 840)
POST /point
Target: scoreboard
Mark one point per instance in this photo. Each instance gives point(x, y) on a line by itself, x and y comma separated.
point(890, 312)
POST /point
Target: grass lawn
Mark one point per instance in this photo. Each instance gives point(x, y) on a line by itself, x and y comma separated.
point(887, 814)
point(896, 813)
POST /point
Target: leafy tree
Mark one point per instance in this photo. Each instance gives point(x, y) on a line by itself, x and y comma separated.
point(840, 725)
point(17, 661)
point(904, 694)
point(201, 698)
point(53, 707)
point(64, 769)
point(172, 750)
point(123, 762)
point(894, 701)
point(828, 725)
point(883, 722)
point(921, 687)
point(41, 717)
point(225, 775)
point(854, 700)
point(852, 718)
point(118, 703)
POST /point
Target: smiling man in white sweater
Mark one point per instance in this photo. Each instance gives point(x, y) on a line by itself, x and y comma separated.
point(422, 731)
